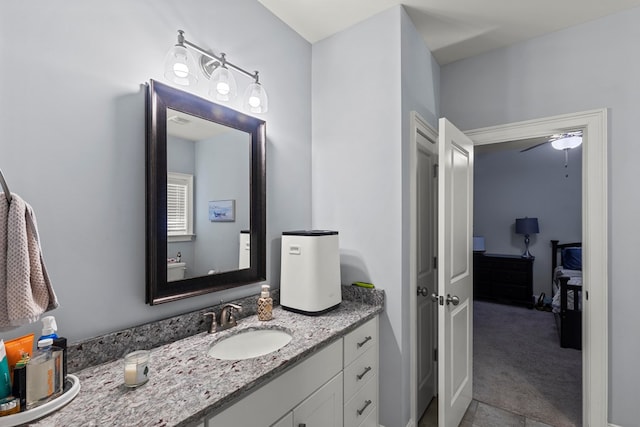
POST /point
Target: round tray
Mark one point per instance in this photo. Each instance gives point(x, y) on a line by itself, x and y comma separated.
point(71, 389)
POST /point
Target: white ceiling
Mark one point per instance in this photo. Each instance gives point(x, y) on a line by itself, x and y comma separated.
point(452, 29)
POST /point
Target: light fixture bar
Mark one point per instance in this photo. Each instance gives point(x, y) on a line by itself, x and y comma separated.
point(220, 59)
point(180, 69)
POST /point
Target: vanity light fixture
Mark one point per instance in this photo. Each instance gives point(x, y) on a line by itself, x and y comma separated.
point(180, 69)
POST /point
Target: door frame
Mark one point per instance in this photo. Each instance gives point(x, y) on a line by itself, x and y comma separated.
point(595, 318)
point(417, 124)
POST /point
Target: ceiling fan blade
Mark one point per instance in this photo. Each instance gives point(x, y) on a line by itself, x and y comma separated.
point(534, 146)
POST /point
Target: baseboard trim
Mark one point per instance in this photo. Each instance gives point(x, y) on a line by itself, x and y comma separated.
point(614, 425)
point(409, 424)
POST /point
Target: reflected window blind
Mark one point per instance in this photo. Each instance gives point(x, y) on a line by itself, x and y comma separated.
point(176, 208)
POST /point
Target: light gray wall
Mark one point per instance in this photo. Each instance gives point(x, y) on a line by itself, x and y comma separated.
point(420, 93)
point(589, 66)
point(509, 184)
point(360, 119)
point(217, 244)
point(72, 137)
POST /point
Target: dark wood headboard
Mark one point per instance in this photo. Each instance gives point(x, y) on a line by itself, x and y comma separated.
point(556, 249)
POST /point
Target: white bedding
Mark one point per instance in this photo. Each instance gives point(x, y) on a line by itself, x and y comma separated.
point(576, 279)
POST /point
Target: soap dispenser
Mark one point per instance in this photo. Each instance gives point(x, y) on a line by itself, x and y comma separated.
point(265, 304)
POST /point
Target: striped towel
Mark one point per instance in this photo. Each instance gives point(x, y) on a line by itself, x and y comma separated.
point(25, 289)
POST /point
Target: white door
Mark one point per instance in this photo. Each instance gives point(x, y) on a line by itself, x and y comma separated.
point(426, 313)
point(455, 274)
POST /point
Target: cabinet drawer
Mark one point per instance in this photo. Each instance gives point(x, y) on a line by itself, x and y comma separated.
point(359, 372)
point(360, 340)
point(515, 292)
point(508, 277)
point(362, 404)
point(371, 420)
point(286, 421)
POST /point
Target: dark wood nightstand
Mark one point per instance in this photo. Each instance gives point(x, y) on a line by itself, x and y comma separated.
point(503, 278)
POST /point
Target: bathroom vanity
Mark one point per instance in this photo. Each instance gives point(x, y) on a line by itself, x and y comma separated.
point(322, 365)
point(336, 386)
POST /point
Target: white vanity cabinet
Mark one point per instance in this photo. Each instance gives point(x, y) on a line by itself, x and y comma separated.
point(334, 387)
point(361, 376)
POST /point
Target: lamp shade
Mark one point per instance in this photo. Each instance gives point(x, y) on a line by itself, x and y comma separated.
point(255, 98)
point(180, 67)
point(222, 85)
point(527, 226)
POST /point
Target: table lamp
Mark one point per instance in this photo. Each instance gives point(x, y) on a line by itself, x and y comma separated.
point(527, 226)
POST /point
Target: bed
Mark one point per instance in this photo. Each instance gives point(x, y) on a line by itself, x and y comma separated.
point(566, 276)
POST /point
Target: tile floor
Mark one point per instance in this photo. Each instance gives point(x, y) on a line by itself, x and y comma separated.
point(481, 415)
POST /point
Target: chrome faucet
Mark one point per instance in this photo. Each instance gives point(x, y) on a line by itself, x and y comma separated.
point(227, 319)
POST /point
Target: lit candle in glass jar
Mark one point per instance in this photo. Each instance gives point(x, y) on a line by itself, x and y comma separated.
point(136, 369)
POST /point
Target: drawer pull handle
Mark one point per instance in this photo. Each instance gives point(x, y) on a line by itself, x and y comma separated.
point(366, 339)
point(366, 404)
point(367, 369)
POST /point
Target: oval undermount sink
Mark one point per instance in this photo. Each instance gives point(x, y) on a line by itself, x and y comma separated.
point(249, 343)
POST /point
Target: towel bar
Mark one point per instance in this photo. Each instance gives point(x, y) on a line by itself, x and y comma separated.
point(5, 187)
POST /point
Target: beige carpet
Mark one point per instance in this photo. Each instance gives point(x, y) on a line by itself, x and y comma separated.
point(519, 365)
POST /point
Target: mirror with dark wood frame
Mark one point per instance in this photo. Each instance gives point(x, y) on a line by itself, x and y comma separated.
point(224, 190)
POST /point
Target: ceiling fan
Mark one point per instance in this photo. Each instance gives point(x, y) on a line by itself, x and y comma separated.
point(562, 141)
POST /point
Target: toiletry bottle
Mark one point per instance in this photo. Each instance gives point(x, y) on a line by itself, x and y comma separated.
point(265, 304)
point(41, 374)
point(5, 377)
point(19, 387)
point(61, 343)
point(49, 328)
point(9, 405)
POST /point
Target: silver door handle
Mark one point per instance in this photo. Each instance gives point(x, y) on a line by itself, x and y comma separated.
point(423, 291)
point(434, 297)
point(452, 300)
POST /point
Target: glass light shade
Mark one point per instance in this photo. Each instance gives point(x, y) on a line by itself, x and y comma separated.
point(255, 98)
point(566, 142)
point(222, 85)
point(180, 67)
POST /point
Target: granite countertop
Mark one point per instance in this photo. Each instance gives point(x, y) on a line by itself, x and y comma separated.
point(185, 384)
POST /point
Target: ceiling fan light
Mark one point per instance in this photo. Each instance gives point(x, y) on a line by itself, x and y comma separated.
point(567, 142)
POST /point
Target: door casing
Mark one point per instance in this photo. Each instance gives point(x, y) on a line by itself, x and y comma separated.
point(595, 354)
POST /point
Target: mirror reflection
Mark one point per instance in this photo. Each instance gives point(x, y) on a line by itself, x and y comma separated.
point(208, 188)
point(205, 196)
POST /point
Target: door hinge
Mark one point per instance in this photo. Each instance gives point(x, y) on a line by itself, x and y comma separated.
point(435, 171)
point(435, 354)
point(435, 262)
point(586, 295)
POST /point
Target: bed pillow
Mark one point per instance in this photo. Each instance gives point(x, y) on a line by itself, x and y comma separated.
point(572, 258)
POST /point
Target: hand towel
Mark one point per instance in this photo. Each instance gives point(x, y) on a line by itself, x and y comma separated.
point(25, 288)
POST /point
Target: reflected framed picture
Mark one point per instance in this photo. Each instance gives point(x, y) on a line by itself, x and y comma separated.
point(222, 210)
